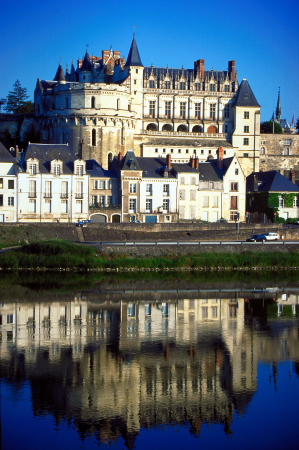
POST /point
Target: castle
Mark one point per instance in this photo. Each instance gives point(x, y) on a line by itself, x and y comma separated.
point(109, 105)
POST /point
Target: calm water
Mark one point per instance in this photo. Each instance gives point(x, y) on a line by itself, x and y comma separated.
point(119, 366)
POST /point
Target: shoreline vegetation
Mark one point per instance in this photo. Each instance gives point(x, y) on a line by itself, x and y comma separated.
point(60, 255)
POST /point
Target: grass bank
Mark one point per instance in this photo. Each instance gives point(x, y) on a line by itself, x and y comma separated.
point(64, 255)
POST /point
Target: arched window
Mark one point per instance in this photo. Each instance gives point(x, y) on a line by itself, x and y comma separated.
point(197, 129)
point(262, 151)
point(167, 127)
point(212, 129)
point(286, 151)
point(152, 127)
point(93, 102)
point(182, 128)
point(94, 137)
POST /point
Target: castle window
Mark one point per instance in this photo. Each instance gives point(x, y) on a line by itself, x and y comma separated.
point(133, 187)
point(212, 87)
point(197, 110)
point(187, 151)
point(93, 102)
point(183, 110)
point(262, 151)
point(156, 150)
point(167, 84)
point(287, 142)
point(226, 112)
point(212, 111)
point(246, 129)
point(152, 108)
point(197, 86)
point(286, 151)
point(94, 137)
point(167, 109)
point(246, 114)
point(226, 88)
point(182, 85)
point(152, 84)
point(246, 141)
point(136, 71)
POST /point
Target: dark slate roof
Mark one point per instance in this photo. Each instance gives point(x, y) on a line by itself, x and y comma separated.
point(154, 167)
point(86, 65)
point(189, 143)
point(184, 168)
point(5, 155)
point(59, 74)
point(245, 96)
point(129, 157)
point(133, 56)
point(94, 169)
point(48, 152)
point(161, 72)
point(208, 172)
point(271, 181)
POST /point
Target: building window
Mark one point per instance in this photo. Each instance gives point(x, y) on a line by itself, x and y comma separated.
point(132, 204)
point(226, 112)
point(167, 109)
point(79, 170)
point(32, 188)
point(79, 206)
point(234, 202)
point(182, 194)
point(281, 201)
point(197, 86)
point(102, 200)
point(226, 88)
point(11, 201)
point(212, 111)
point(245, 155)
point(246, 141)
point(215, 202)
point(165, 189)
point(246, 129)
point(214, 312)
point(94, 137)
point(182, 110)
point(167, 84)
point(64, 206)
point(149, 189)
point(48, 189)
point(79, 189)
point(152, 108)
point(133, 188)
point(165, 205)
point(296, 203)
point(1, 183)
point(234, 186)
point(32, 169)
point(193, 194)
point(236, 171)
point(212, 87)
point(234, 215)
point(148, 205)
point(152, 84)
point(93, 102)
point(56, 169)
point(205, 201)
point(9, 318)
point(32, 205)
point(182, 85)
point(11, 184)
point(286, 151)
point(246, 114)
point(197, 110)
point(262, 151)
point(287, 141)
point(48, 206)
point(182, 180)
point(64, 189)
point(205, 312)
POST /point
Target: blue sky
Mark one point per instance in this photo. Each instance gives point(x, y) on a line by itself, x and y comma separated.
point(262, 36)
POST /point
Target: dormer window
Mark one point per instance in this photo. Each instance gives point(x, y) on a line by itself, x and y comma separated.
point(56, 169)
point(152, 84)
point(32, 169)
point(79, 170)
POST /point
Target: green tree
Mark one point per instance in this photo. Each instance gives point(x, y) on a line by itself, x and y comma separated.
point(267, 127)
point(2, 102)
point(17, 102)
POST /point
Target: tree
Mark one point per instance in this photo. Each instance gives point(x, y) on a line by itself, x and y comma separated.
point(267, 127)
point(17, 102)
point(2, 102)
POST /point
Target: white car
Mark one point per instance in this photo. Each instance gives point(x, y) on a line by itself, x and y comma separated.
point(271, 236)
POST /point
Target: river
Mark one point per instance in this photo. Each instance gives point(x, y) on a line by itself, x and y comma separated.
point(171, 362)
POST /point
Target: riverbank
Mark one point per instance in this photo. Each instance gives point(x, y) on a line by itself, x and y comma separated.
point(60, 255)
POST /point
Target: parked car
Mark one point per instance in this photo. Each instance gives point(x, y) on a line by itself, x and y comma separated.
point(83, 223)
point(257, 238)
point(137, 221)
point(271, 236)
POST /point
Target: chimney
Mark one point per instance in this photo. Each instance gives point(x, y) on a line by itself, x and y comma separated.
point(200, 66)
point(220, 153)
point(17, 152)
point(292, 176)
point(232, 69)
point(120, 157)
point(169, 162)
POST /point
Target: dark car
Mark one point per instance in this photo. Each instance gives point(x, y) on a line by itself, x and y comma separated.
point(257, 238)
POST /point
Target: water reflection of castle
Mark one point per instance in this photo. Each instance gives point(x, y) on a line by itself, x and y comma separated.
point(117, 366)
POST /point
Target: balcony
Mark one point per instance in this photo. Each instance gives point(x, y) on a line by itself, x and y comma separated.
point(32, 195)
point(104, 206)
point(48, 195)
point(64, 195)
point(184, 133)
point(79, 195)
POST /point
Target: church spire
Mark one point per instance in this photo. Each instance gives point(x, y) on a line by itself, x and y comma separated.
point(86, 65)
point(134, 57)
point(278, 108)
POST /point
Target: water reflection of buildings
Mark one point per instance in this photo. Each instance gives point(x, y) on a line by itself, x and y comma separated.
point(118, 364)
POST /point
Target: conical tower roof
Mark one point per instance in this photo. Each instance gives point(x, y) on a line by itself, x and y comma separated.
point(133, 56)
point(278, 108)
point(86, 65)
point(59, 74)
point(245, 96)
